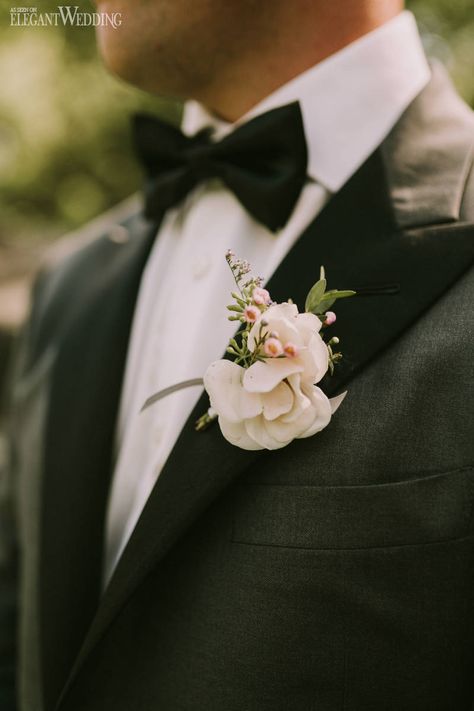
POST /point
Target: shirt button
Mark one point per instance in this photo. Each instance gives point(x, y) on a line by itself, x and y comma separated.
point(119, 234)
point(201, 266)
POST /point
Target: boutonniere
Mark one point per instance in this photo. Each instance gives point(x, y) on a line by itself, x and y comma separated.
point(265, 393)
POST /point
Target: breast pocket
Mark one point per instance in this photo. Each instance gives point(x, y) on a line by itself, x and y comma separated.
point(416, 511)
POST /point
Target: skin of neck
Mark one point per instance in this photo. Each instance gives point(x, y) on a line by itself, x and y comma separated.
point(298, 36)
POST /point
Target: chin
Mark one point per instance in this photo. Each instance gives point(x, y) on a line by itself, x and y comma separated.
point(141, 64)
point(119, 56)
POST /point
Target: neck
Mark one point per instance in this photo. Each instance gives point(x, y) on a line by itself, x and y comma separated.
point(290, 48)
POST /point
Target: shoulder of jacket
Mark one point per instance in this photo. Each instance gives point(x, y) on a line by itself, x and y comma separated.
point(114, 224)
point(66, 265)
point(68, 255)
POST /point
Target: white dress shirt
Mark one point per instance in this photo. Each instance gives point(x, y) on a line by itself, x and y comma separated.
point(349, 103)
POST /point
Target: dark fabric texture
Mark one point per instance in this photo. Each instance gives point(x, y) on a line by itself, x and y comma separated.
point(262, 162)
point(335, 574)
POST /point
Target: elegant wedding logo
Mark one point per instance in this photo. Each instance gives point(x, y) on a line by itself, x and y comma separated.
point(64, 15)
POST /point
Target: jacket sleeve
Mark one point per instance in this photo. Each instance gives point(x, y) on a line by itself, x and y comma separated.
point(8, 592)
point(10, 549)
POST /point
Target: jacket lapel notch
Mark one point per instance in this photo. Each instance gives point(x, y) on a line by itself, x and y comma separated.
point(429, 154)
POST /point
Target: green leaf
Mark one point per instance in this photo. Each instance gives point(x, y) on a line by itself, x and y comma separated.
point(315, 295)
point(341, 294)
point(324, 306)
point(330, 297)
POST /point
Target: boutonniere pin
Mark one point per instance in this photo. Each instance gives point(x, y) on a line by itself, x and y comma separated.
point(266, 394)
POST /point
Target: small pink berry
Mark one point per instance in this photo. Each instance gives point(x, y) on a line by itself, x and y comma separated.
point(291, 350)
point(273, 347)
point(330, 318)
point(260, 296)
point(251, 314)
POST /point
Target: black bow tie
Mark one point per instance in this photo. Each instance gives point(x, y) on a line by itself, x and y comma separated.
point(263, 163)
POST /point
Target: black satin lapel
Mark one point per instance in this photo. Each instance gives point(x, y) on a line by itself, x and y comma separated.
point(361, 248)
point(424, 263)
point(355, 239)
point(84, 397)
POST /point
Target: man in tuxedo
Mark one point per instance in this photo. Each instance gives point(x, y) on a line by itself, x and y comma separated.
point(151, 566)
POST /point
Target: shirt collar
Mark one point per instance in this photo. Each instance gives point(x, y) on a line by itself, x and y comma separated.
point(349, 102)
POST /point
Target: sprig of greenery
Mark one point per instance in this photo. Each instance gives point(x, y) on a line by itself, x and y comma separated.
point(319, 300)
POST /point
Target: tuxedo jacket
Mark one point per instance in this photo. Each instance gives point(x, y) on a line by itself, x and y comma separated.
point(333, 575)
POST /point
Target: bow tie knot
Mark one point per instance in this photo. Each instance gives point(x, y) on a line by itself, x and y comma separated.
point(263, 162)
point(199, 162)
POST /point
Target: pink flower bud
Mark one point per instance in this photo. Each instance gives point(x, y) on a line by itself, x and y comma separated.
point(260, 296)
point(330, 318)
point(273, 347)
point(291, 350)
point(251, 314)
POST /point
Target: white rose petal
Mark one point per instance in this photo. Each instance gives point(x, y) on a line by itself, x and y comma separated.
point(280, 429)
point(315, 359)
point(257, 431)
point(301, 403)
point(336, 401)
point(308, 324)
point(280, 318)
point(236, 433)
point(279, 433)
point(263, 377)
point(277, 402)
point(284, 310)
point(223, 382)
point(321, 413)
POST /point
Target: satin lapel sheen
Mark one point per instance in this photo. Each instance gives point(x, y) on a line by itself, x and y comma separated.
point(356, 239)
point(84, 394)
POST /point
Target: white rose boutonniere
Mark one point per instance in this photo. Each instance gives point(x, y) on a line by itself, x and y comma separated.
point(267, 395)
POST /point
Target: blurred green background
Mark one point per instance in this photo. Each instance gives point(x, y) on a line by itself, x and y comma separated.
point(65, 153)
